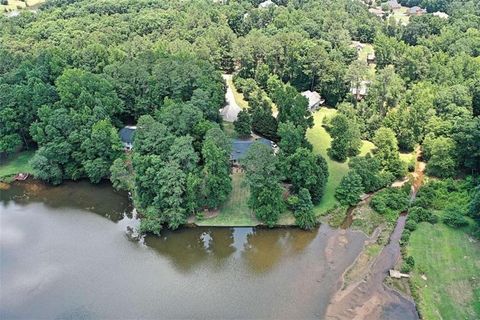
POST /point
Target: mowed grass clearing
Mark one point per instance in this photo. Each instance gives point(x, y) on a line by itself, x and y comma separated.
point(235, 211)
point(15, 4)
point(450, 259)
point(321, 140)
point(16, 164)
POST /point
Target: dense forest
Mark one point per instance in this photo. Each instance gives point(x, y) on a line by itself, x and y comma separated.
point(76, 72)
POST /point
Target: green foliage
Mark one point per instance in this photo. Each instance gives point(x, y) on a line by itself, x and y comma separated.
point(243, 124)
point(307, 170)
point(121, 176)
point(350, 189)
point(216, 170)
point(368, 168)
point(390, 201)
point(454, 218)
point(263, 178)
point(408, 264)
point(346, 138)
point(304, 215)
point(442, 161)
point(387, 152)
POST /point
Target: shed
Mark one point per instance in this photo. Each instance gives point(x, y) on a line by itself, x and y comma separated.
point(371, 58)
point(127, 135)
point(314, 99)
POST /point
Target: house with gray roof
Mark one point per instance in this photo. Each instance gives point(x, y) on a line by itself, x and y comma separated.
point(127, 135)
point(416, 11)
point(240, 148)
point(314, 100)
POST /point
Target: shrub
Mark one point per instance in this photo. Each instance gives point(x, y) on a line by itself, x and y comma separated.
point(4, 2)
point(454, 219)
point(411, 225)
point(405, 237)
point(408, 264)
point(419, 214)
point(390, 200)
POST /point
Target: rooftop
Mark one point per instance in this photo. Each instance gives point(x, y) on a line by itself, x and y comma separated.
point(240, 147)
point(127, 133)
point(313, 97)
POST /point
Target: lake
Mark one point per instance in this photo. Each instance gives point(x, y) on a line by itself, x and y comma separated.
point(65, 255)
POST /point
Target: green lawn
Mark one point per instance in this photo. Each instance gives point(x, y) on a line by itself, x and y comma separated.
point(235, 211)
point(15, 4)
point(362, 56)
point(321, 141)
point(401, 16)
point(15, 164)
point(450, 260)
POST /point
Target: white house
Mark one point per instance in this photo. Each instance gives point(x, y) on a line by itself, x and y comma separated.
point(314, 99)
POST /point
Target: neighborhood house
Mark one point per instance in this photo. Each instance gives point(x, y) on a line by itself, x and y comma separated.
point(314, 99)
point(126, 135)
point(240, 148)
point(416, 11)
point(361, 91)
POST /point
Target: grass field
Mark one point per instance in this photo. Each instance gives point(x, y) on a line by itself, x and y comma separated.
point(401, 16)
point(362, 56)
point(235, 211)
point(15, 164)
point(15, 4)
point(321, 140)
point(450, 260)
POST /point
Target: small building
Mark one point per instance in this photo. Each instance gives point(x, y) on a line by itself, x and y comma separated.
point(240, 148)
point(416, 11)
point(267, 4)
point(357, 45)
point(361, 91)
point(371, 58)
point(377, 11)
point(314, 100)
point(393, 5)
point(127, 135)
point(440, 14)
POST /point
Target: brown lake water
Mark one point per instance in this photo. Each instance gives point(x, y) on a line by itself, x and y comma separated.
point(64, 254)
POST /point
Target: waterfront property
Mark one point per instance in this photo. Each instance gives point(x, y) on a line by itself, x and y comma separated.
point(240, 148)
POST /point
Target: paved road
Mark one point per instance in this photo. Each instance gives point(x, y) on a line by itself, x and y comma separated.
point(230, 112)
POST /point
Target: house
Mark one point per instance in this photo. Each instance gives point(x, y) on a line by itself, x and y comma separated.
point(126, 135)
point(267, 4)
point(440, 14)
point(393, 4)
point(371, 58)
point(357, 45)
point(416, 11)
point(361, 91)
point(240, 148)
point(377, 11)
point(314, 99)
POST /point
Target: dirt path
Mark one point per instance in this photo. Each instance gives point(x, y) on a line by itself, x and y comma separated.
point(230, 112)
point(369, 298)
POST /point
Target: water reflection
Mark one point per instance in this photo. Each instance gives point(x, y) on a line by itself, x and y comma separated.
point(60, 261)
point(101, 198)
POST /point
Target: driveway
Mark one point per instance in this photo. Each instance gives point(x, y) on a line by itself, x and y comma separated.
point(230, 112)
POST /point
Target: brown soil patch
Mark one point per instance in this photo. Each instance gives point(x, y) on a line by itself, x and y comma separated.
point(4, 186)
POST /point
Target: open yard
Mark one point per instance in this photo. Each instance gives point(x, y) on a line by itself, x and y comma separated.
point(235, 211)
point(450, 260)
point(15, 164)
point(362, 56)
point(320, 139)
point(15, 4)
